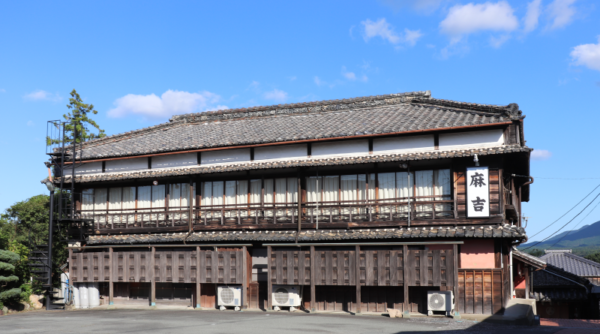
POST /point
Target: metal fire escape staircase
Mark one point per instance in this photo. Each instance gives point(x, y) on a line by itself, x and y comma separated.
point(65, 223)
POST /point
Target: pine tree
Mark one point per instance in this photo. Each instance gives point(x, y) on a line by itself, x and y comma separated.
point(7, 266)
point(77, 119)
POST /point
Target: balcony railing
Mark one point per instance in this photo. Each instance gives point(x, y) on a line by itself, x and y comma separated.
point(393, 210)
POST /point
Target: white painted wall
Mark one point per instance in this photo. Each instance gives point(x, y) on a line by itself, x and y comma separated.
point(340, 148)
point(474, 139)
point(225, 156)
point(403, 144)
point(281, 152)
point(88, 168)
point(175, 160)
point(126, 165)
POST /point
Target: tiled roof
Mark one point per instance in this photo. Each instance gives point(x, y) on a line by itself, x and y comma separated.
point(572, 263)
point(547, 295)
point(156, 173)
point(555, 284)
point(373, 115)
point(528, 258)
point(506, 231)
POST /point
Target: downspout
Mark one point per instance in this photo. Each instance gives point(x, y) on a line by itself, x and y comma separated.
point(512, 289)
point(191, 213)
point(521, 186)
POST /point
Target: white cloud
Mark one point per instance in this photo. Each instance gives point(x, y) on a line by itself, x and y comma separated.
point(497, 42)
point(539, 155)
point(380, 28)
point(276, 95)
point(587, 55)
point(293, 78)
point(318, 81)
point(470, 18)
point(347, 74)
point(2, 90)
point(170, 103)
point(42, 95)
point(532, 16)
point(561, 13)
point(30, 123)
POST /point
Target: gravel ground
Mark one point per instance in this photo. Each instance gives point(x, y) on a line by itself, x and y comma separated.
point(182, 322)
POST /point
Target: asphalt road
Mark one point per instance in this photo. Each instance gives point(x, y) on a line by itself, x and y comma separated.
point(182, 322)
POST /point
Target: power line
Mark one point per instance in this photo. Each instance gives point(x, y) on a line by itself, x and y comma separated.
point(577, 215)
point(571, 209)
point(574, 227)
point(560, 178)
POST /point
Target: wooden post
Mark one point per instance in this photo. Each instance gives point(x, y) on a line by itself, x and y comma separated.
point(313, 275)
point(153, 278)
point(527, 282)
point(110, 280)
point(405, 271)
point(455, 288)
point(244, 278)
point(357, 265)
point(198, 287)
point(269, 284)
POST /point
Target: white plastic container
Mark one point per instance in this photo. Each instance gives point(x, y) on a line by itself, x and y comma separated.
point(84, 295)
point(94, 293)
point(76, 299)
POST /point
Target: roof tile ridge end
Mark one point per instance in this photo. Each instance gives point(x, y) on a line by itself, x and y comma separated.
point(511, 110)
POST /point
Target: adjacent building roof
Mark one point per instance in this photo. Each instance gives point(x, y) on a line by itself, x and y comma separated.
point(506, 231)
point(556, 284)
point(362, 116)
point(572, 263)
point(533, 261)
point(234, 167)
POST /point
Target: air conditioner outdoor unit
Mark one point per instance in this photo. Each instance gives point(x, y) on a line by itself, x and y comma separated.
point(440, 301)
point(229, 295)
point(286, 295)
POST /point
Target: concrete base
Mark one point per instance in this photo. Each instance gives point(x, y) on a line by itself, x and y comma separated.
point(521, 311)
point(456, 315)
point(406, 314)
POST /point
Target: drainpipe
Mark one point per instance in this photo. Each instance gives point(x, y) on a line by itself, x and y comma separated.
point(521, 186)
point(512, 289)
point(191, 212)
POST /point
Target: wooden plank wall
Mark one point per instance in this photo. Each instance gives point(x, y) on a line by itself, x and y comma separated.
point(480, 291)
point(461, 192)
point(293, 267)
point(223, 267)
point(334, 267)
point(431, 268)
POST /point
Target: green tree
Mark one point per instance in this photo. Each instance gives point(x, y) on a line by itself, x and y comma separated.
point(7, 267)
point(78, 119)
point(594, 257)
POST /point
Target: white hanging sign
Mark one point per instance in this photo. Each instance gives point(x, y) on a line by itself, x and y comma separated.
point(478, 192)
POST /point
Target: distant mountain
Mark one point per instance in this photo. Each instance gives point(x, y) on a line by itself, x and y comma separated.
point(582, 241)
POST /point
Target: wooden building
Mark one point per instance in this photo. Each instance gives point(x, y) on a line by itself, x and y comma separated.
point(365, 203)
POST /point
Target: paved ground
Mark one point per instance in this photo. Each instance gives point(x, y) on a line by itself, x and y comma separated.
point(182, 322)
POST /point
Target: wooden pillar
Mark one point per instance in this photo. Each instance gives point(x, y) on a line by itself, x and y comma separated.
point(455, 274)
point(110, 278)
point(245, 278)
point(357, 268)
point(198, 287)
point(405, 271)
point(153, 277)
point(269, 284)
point(527, 268)
point(313, 280)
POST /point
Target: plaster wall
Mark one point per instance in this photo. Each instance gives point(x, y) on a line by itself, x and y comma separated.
point(282, 152)
point(403, 144)
point(225, 156)
point(89, 168)
point(474, 139)
point(340, 148)
point(477, 254)
point(175, 160)
point(126, 165)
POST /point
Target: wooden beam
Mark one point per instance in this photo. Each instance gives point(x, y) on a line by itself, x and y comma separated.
point(152, 278)
point(110, 282)
point(198, 286)
point(405, 271)
point(245, 278)
point(455, 273)
point(357, 266)
point(313, 277)
point(269, 284)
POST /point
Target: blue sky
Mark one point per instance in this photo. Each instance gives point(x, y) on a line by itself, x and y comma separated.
point(141, 62)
